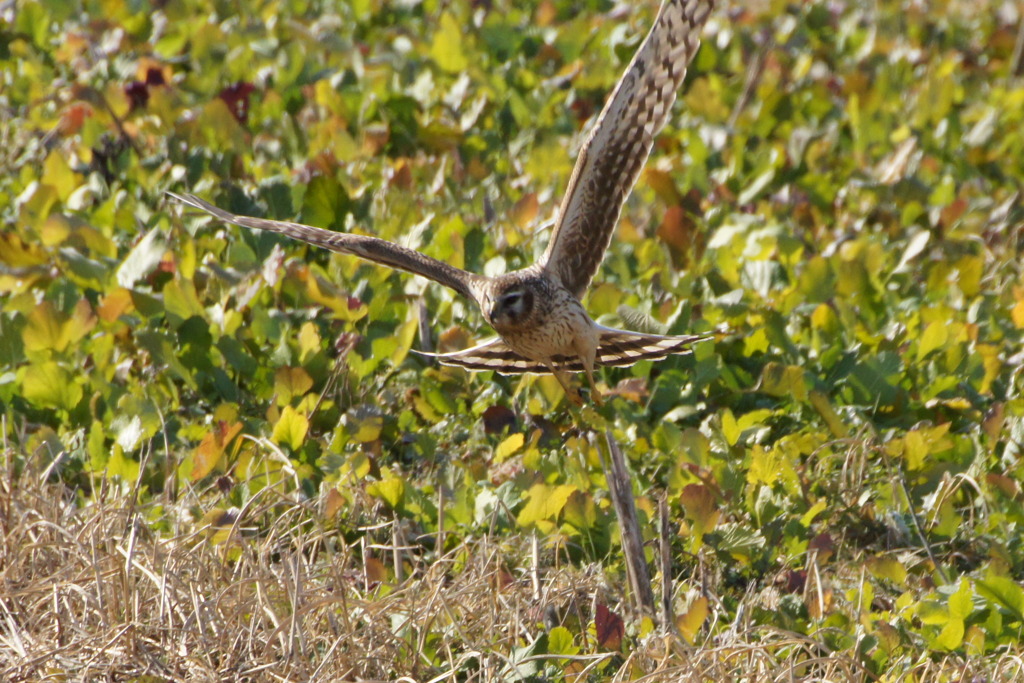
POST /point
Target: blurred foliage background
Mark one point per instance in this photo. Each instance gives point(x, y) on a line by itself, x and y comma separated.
point(839, 189)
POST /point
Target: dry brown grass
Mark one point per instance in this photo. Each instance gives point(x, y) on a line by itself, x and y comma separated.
point(93, 591)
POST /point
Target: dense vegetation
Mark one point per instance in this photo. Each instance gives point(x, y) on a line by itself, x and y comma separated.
point(221, 460)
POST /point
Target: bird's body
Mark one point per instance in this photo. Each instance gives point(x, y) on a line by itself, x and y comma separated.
point(537, 312)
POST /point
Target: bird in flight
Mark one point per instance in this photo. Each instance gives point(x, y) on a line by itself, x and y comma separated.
point(537, 313)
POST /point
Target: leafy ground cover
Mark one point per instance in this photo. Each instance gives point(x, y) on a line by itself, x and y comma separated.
point(221, 461)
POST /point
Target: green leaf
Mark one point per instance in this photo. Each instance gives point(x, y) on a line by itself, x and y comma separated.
point(142, 259)
point(961, 602)
point(560, 642)
point(290, 428)
point(951, 636)
point(120, 466)
point(1004, 593)
point(50, 386)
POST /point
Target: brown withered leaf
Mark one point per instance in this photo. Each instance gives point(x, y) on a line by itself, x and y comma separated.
point(524, 213)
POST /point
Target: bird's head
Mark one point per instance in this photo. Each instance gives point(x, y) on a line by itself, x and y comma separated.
point(512, 307)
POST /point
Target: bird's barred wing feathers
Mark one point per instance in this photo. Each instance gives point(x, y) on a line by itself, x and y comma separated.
point(616, 348)
point(620, 142)
point(370, 248)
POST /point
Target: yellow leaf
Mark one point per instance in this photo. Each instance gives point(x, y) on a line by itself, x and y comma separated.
point(784, 380)
point(16, 253)
point(1017, 314)
point(368, 428)
point(888, 568)
point(54, 230)
point(951, 636)
point(446, 49)
point(290, 429)
point(809, 516)
point(915, 449)
point(309, 341)
point(181, 300)
point(824, 408)
point(507, 447)
point(405, 334)
point(730, 430)
point(975, 641)
point(766, 467)
point(663, 185)
point(81, 322)
point(219, 127)
point(290, 383)
point(391, 490)
point(824, 318)
point(57, 174)
point(689, 624)
point(544, 503)
point(933, 338)
point(45, 329)
point(755, 342)
point(990, 360)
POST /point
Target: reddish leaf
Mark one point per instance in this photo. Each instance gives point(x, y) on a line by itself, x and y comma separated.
point(73, 117)
point(824, 544)
point(497, 419)
point(155, 76)
point(795, 580)
point(137, 94)
point(610, 628)
point(237, 98)
point(677, 230)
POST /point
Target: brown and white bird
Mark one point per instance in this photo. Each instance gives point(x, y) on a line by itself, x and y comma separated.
point(536, 311)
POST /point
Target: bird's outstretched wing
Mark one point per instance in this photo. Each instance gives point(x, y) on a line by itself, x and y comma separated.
point(620, 143)
point(369, 248)
point(617, 348)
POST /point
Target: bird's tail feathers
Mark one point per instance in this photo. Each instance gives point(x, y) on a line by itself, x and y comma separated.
point(620, 348)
